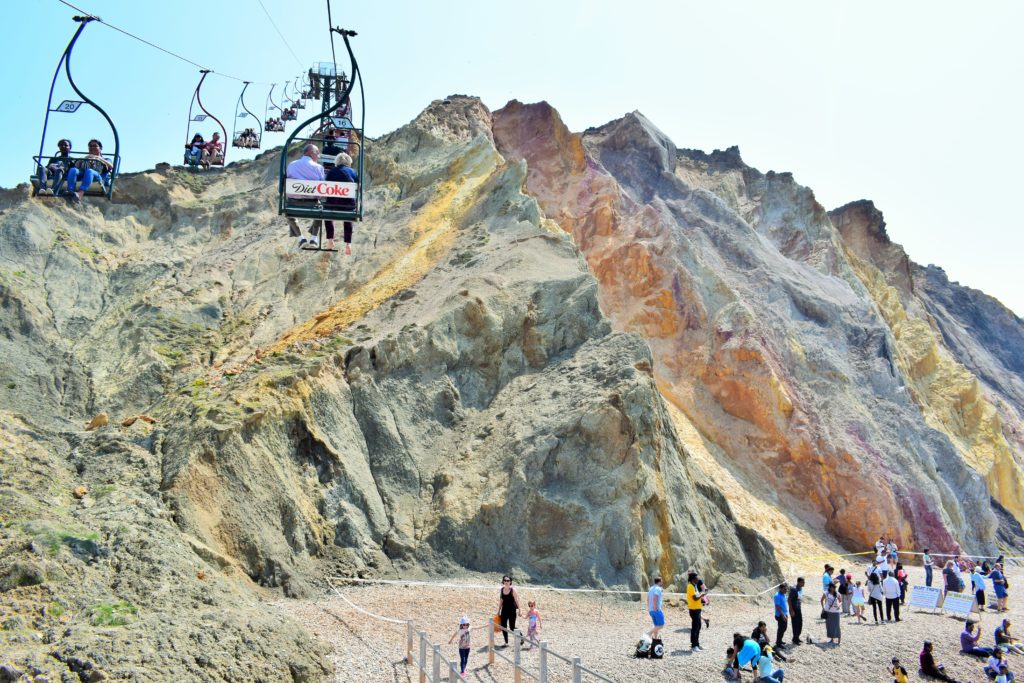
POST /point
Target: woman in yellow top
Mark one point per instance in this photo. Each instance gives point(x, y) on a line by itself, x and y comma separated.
point(695, 603)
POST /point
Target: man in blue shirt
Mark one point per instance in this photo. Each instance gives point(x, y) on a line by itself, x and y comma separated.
point(781, 615)
point(826, 578)
point(654, 608)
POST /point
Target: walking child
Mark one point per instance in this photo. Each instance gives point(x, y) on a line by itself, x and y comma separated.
point(533, 624)
point(464, 632)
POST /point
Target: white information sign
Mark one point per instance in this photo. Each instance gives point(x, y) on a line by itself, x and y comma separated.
point(319, 189)
point(926, 597)
point(958, 603)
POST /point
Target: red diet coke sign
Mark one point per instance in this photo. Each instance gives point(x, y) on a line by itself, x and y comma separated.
point(320, 189)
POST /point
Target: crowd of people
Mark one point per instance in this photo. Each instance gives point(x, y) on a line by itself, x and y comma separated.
point(885, 587)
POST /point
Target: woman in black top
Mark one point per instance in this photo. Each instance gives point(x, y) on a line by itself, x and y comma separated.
point(508, 606)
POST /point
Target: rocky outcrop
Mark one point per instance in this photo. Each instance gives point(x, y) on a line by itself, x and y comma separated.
point(764, 334)
point(451, 397)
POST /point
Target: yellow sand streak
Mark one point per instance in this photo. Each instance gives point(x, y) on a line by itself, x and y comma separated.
point(436, 226)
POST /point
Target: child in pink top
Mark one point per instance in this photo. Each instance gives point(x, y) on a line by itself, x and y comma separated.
point(533, 623)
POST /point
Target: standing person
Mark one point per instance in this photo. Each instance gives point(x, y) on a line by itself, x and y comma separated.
point(826, 578)
point(978, 587)
point(654, 608)
point(781, 615)
point(796, 613)
point(875, 597)
point(927, 560)
point(969, 638)
point(999, 586)
point(958, 571)
point(901, 576)
point(464, 633)
point(694, 603)
point(891, 588)
point(56, 168)
point(928, 665)
point(844, 590)
point(857, 598)
point(880, 545)
point(890, 551)
point(831, 604)
point(508, 607)
point(533, 626)
point(950, 580)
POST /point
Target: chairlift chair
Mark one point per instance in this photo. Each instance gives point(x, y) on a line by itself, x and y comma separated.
point(200, 118)
point(104, 188)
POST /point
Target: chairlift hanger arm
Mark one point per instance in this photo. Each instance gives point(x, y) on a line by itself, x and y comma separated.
point(65, 61)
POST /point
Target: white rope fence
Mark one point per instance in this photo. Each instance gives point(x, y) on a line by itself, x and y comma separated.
point(429, 668)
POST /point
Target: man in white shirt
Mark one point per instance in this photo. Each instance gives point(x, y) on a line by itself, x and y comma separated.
point(306, 167)
point(891, 588)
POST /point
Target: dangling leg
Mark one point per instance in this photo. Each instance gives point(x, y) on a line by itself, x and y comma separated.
point(348, 238)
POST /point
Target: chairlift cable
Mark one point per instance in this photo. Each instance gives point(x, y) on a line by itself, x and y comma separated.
point(154, 45)
point(272, 23)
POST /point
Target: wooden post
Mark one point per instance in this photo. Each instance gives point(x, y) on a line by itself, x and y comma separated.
point(437, 664)
point(423, 657)
point(490, 646)
point(543, 661)
point(517, 671)
point(408, 642)
point(577, 673)
point(454, 675)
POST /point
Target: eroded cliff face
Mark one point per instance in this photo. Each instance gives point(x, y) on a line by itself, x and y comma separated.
point(450, 397)
point(799, 373)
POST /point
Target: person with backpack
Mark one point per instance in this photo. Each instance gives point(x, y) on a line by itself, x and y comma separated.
point(844, 590)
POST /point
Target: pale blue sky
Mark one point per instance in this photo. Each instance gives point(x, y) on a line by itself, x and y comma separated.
point(915, 105)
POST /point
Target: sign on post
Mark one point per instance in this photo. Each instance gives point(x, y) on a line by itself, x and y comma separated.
point(925, 597)
point(958, 603)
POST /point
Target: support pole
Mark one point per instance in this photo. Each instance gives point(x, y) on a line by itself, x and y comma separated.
point(454, 675)
point(490, 646)
point(408, 642)
point(517, 670)
point(423, 657)
point(577, 673)
point(437, 664)
point(543, 661)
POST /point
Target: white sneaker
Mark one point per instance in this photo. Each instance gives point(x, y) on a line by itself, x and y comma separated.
point(303, 242)
point(46, 192)
point(313, 241)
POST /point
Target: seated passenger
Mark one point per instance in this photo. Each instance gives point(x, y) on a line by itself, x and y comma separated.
point(56, 168)
point(306, 167)
point(342, 173)
point(928, 665)
point(194, 150)
point(92, 167)
point(213, 152)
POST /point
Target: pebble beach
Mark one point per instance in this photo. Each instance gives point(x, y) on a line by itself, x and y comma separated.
point(603, 630)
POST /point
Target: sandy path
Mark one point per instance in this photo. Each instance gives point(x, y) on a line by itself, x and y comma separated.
point(604, 630)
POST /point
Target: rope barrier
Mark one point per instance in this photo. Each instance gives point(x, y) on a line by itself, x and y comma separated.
point(360, 609)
